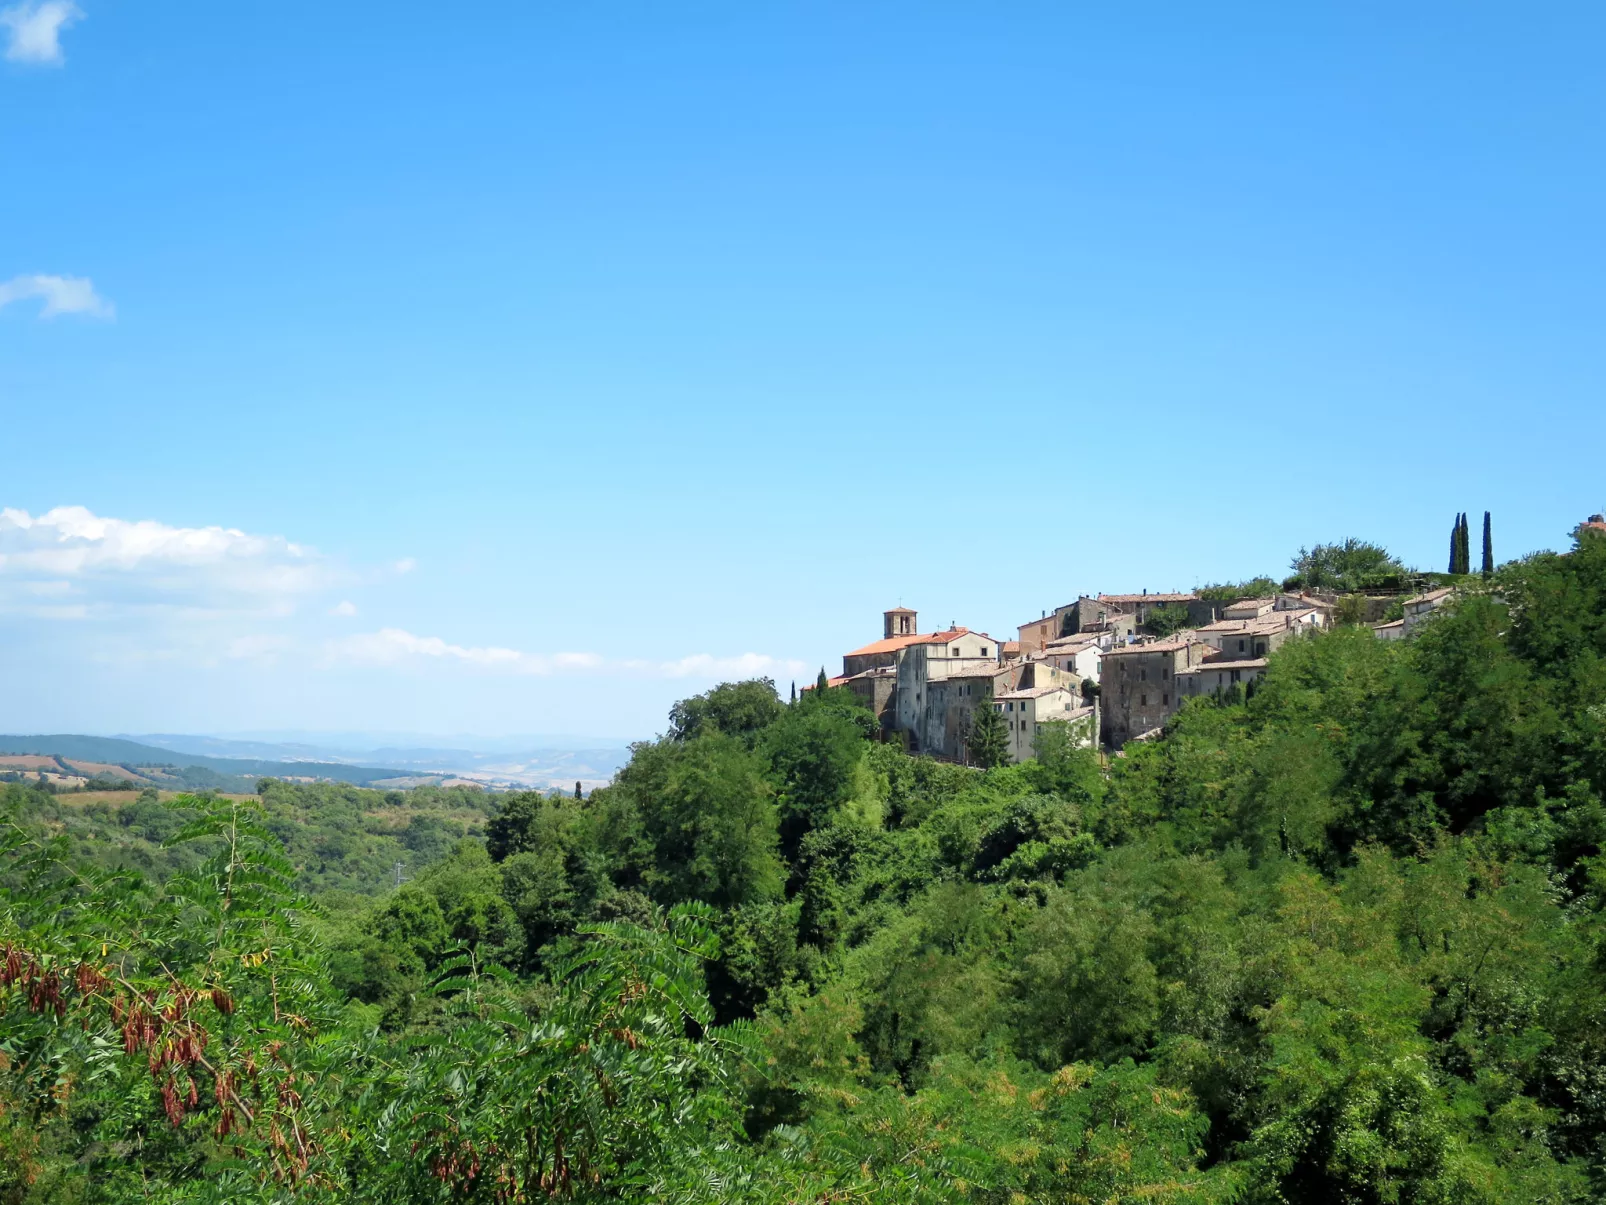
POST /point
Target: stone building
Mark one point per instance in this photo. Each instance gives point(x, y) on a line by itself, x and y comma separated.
point(1027, 709)
point(1257, 636)
point(1218, 676)
point(1139, 690)
point(1419, 609)
point(1081, 655)
point(950, 704)
point(937, 657)
point(898, 629)
point(1051, 626)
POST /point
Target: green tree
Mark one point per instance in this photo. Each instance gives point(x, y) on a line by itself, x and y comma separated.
point(1166, 620)
point(1488, 547)
point(734, 708)
point(814, 752)
point(1346, 567)
point(988, 742)
point(707, 819)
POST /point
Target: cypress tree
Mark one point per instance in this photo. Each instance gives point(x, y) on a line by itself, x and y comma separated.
point(1488, 547)
point(1455, 544)
point(1466, 544)
point(577, 793)
point(794, 690)
point(822, 682)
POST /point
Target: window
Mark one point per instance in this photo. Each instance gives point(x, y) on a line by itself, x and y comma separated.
point(1023, 725)
point(984, 650)
point(1144, 673)
point(1165, 671)
point(1240, 646)
point(1236, 674)
point(1165, 700)
point(1143, 700)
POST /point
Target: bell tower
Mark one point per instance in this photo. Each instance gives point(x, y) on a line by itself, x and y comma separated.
point(900, 621)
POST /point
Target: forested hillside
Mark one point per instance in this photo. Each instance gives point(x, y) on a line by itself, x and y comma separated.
point(1340, 942)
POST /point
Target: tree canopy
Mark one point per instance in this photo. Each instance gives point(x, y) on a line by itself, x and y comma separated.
point(1340, 941)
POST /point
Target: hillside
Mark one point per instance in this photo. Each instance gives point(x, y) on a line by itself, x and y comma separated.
point(1341, 939)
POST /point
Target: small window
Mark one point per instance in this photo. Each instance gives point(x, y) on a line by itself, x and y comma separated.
point(1165, 700)
point(984, 650)
point(1143, 700)
point(1240, 646)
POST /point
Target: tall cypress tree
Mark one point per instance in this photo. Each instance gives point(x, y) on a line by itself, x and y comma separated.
point(1488, 547)
point(1455, 545)
point(822, 682)
point(1466, 544)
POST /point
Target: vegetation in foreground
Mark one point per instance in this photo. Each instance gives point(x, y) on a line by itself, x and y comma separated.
point(1341, 942)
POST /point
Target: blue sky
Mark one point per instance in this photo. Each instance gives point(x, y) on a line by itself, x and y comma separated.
point(552, 362)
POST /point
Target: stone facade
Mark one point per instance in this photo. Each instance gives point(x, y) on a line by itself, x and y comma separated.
point(936, 658)
point(1025, 711)
point(1139, 690)
point(1245, 639)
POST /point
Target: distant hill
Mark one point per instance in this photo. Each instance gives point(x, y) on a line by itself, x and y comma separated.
point(164, 766)
point(507, 763)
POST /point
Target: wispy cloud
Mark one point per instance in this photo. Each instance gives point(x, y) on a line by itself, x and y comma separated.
point(394, 646)
point(34, 30)
point(61, 295)
point(344, 609)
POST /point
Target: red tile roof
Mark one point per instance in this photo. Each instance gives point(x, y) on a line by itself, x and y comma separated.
point(890, 645)
point(893, 643)
point(1159, 646)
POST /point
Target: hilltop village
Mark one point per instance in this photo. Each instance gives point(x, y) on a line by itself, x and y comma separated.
point(1112, 667)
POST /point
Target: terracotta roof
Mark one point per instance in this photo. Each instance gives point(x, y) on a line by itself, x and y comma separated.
point(951, 635)
point(1142, 598)
point(1068, 643)
point(898, 611)
point(1011, 646)
point(991, 669)
point(875, 671)
point(1036, 692)
point(1159, 646)
point(890, 645)
point(1260, 625)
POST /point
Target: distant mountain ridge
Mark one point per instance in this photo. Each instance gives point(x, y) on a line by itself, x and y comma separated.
point(117, 751)
point(539, 761)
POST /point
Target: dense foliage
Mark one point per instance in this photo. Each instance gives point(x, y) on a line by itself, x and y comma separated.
point(1341, 942)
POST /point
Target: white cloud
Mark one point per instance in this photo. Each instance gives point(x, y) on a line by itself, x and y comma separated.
point(61, 295)
point(406, 565)
point(35, 29)
point(344, 608)
point(394, 646)
point(116, 562)
point(390, 645)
